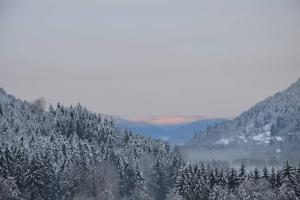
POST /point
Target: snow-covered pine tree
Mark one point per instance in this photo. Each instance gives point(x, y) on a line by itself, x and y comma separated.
point(272, 178)
point(256, 174)
point(34, 180)
point(242, 172)
point(266, 174)
point(232, 180)
point(288, 174)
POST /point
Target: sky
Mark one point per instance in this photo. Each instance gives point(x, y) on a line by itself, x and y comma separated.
point(142, 58)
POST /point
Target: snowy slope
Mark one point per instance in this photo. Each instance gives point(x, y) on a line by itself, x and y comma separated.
point(270, 129)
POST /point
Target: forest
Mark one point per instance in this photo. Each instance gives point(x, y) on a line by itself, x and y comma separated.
point(64, 153)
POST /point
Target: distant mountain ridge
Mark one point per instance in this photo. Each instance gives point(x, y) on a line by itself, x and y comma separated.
point(270, 129)
point(173, 119)
point(175, 133)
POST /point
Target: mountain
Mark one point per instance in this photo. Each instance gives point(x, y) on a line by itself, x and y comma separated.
point(269, 132)
point(174, 119)
point(177, 132)
point(185, 132)
point(142, 128)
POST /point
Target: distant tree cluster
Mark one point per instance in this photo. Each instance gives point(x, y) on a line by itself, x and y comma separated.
point(200, 182)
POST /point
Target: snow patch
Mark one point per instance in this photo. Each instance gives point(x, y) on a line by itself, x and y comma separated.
point(267, 127)
point(225, 141)
point(243, 138)
point(165, 138)
point(262, 136)
point(251, 125)
point(278, 150)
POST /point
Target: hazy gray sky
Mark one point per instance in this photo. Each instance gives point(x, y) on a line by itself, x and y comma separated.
point(137, 58)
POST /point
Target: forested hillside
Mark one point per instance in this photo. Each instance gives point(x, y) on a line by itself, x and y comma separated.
point(71, 153)
point(268, 133)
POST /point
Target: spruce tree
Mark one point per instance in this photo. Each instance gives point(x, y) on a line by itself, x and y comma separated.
point(288, 173)
point(34, 181)
point(1, 111)
point(3, 165)
point(298, 173)
point(9, 162)
point(242, 173)
point(272, 179)
point(256, 174)
point(158, 177)
point(4, 127)
point(50, 188)
point(180, 182)
point(232, 180)
point(212, 179)
point(266, 174)
point(222, 179)
point(278, 179)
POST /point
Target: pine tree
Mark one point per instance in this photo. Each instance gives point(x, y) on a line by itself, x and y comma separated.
point(222, 179)
point(197, 187)
point(22, 165)
point(4, 127)
point(288, 173)
point(51, 110)
point(34, 181)
point(278, 179)
point(127, 180)
point(158, 177)
point(297, 187)
point(298, 174)
point(126, 137)
point(175, 168)
point(272, 179)
point(139, 182)
point(50, 188)
point(200, 187)
point(256, 174)
point(286, 193)
point(218, 193)
point(3, 165)
point(1, 111)
point(232, 180)
point(9, 162)
point(187, 184)
point(266, 174)
point(212, 179)
point(242, 174)
point(180, 182)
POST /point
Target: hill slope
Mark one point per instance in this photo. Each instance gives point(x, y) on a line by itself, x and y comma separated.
point(71, 153)
point(268, 131)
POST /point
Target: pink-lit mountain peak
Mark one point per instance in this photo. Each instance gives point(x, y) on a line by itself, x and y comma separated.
point(169, 120)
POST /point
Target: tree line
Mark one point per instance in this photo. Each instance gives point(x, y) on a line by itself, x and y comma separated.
point(200, 182)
